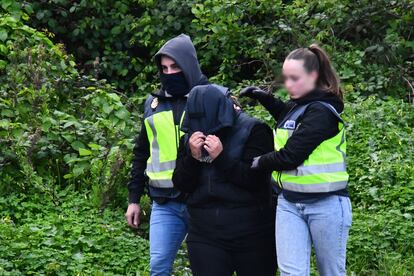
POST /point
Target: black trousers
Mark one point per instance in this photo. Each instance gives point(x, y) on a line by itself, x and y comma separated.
point(222, 241)
point(210, 260)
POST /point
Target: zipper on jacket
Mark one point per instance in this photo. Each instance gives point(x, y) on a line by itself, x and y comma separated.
point(177, 136)
point(279, 174)
point(176, 118)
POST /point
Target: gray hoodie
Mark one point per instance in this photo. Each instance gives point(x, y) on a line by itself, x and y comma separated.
point(182, 51)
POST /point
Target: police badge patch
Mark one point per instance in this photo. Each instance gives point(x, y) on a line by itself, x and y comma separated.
point(289, 124)
point(154, 103)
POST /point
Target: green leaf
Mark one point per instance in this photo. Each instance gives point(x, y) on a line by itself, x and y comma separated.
point(94, 146)
point(6, 3)
point(3, 35)
point(122, 114)
point(3, 50)
point(67, 176)
point(63, 65)
point(3, 64)
point(113, 96)
point(46, 125)
point(84, 152)
point(7, 113)
point(116, 30)
point(107, 108)
point(4, 123)
point(77, 144)
point(68, 124)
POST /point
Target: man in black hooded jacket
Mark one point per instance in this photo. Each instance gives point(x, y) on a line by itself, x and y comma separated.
point(156, 149)
point(231, 212)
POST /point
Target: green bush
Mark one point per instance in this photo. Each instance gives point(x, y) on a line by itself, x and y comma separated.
point(381, 242)
point(380, 154)
point(370, 42)
point(380, 162)
point(37, 237)
point(58, 127)
point(96, 32)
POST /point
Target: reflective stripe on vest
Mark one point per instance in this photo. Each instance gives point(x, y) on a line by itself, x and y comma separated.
point(163, 136)
point(325, 168)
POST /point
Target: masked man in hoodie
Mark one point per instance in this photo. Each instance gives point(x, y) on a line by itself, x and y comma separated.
point(155, 153)
point(230, 206)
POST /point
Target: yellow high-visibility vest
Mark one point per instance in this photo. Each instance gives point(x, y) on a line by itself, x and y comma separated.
point(325, 168)
point(163, 137)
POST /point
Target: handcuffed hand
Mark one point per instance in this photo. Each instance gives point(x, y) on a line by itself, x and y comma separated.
point(196, 143)
point(213, 146)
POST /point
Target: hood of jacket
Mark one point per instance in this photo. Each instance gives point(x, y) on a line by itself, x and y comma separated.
point(182, 51)
point(208, 110)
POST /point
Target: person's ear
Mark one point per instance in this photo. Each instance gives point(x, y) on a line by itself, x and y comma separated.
point(314, 76)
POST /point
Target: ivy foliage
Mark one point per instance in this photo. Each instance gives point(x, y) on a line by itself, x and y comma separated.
point(370, 41)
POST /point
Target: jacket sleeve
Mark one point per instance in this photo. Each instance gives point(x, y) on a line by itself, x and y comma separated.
point(187, 169)
point(259, 142)
point(138, 178)
point(317, 125)
point(274, 106)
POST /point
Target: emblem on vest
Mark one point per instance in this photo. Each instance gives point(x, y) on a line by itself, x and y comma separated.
point(154, 103)
point(289, 124)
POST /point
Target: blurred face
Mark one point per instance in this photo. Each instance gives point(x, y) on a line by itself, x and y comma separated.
point(298, 81)
point(169, 66)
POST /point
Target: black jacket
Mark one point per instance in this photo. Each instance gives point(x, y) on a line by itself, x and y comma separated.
point(230, 221)
point(187, 172)
point(317, 125)
point(229, 204)
point(182, 51)
point(228, 181)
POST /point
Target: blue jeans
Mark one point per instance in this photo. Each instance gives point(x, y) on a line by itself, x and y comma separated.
point(168, 228)
point(324, 223)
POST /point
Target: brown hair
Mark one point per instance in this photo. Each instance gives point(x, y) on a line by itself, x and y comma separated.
point(316, 59)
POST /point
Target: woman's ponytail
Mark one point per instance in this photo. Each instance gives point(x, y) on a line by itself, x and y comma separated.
point(316, 59)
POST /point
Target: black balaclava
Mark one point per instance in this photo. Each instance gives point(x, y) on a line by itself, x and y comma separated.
point(175, 84)
point(182, 51)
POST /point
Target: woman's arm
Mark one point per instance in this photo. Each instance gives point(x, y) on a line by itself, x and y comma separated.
point(318, 124)
point(260, 141)
point(273, 105)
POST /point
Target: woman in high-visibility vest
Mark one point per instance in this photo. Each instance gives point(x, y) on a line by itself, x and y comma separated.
point(308, 165)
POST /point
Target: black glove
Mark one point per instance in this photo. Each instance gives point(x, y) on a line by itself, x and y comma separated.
point(256, 93)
